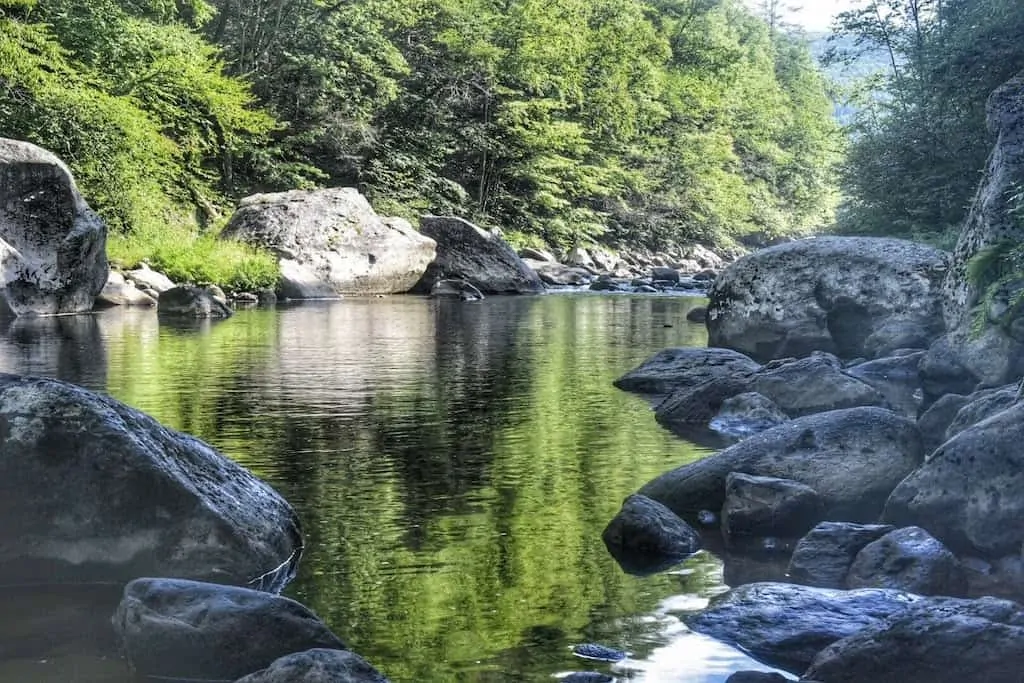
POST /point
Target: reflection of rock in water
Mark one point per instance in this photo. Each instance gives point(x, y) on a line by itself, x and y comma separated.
point(69, 347)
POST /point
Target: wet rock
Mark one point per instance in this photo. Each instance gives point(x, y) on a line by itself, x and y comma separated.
point(934, 422)
point(646, 537)
point(697, 314)
point(745, 414)
point(828, 293)
point(967, 494)
point(331, 242)
point(677, 368)
point(606, 284)
point(853, 458)
point(756, 677)
point(958, 641)
point(217, 293)
point(52, 245)
point(980, 406)
point(695, 407)
point(785, 625)
point(600, 653)
point(767, 506)
point(823, 557)
point(896, 378)
point(670, 275)
point(117, 292)
point(455, 289)
point(647, 289)
point(320, 665)
point(558, 275)
point(93, 490)
point(587, 677)
point(908, 559)
point(145, 277)
point(814, 385)
point(186, 629)
point(189, 301)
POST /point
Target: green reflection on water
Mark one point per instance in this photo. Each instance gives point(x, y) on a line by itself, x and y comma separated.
point(453, 464)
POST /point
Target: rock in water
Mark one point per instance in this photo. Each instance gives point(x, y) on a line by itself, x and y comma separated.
point(187, 629)
point(646, 537)
point(823, 557)
point(829, 293)
point(599, 652)
point(189, 301)
point(331, 242)
point(465, 252)
point(318, 666)
point(908, 559)
point(678, 368)
point(52, 245)
point(92, 490)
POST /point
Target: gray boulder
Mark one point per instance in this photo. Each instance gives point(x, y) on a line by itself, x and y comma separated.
point(967, 494)
point(982, 405)
point(823, 557)
point(455, 289)
point(95, 491)
point(785, 625)
point(677, 368)
point(578, 256)
point(317, 666)
point(665, 275)
point(542, 255)
point(695, 407)
point(331, 242)
point(942, 371)
point(189, 301)
point(145, 277)
point(814, 385)
point(646, 537)
point(827, 293)
point(898, 333)
point(484, 259)
point(934, 422)
point(171, 628)
point(52, 245)
point(746, 414)
point(908, 559)
point(896, 378)
point(946, 642)
point(767, 506)
point(558, 275)
point(853, 458)
point(697, 314)
point(117, 292)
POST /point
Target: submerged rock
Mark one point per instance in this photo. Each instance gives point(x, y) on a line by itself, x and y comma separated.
point(828, 293)
point(853, 458)
point(908, 559)
point(823, 557)
point(186, 629)
point(646, 537)
point(52, 245)
point(599, 652)
point(93, 490)
point(678, 368)
point(318, 666)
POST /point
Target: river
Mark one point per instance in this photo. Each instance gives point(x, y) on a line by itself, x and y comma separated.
point(453, 464)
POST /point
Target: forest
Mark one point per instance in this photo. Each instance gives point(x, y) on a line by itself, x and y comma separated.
point(627, 122)
point(622, 122)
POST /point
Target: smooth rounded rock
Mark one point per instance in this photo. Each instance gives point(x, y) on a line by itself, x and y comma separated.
point(646, 537)
point(767, 507)
point(678, 368)
point(823, 557)
point(317, 666)
point(189, 301)
point(908, 559)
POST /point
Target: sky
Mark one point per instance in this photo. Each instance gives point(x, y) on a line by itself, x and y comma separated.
point(815, 15)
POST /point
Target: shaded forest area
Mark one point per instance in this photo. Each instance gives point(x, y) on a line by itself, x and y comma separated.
point(623, 121)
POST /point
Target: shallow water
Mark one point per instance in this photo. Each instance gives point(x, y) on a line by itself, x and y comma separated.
point(453, 464)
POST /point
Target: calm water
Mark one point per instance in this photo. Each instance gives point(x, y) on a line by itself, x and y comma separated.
point(453, 464)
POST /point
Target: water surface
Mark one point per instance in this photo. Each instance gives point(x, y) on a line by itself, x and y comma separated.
point(454, 465)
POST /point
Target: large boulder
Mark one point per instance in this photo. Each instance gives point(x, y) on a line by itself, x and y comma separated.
point(814, 385)
point(908, 559)
point(934, 422)
point(52, 246)
point(823, 557)
point(853, 458)
point(953, 641)
point(786, 625)
point(646, 537)
point(171, 628)
point(766, 506)
point(967, 494)
point(466, 252)
point(118, 292)
point(672, 369)
point(319, 665)
point(981, 405)
point(331, 242)
point(92, 490)
point(896, 378)
point(827, 293)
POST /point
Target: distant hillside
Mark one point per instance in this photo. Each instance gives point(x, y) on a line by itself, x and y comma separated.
point(869, 63)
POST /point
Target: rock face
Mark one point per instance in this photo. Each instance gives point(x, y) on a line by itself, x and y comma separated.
point(823, 557)
point(785, 625)
point(853, 458)
point(908, 559)
point(646, 537)
point(52, 245)
point(318, 666)
point(765, 506)
point(466, 252)
point(189, 301)
point(331, 242)
point(678, 368)
point(968, 492)
point(187, 629)
point(92, 490)
point(831, 293)
point(954, 642)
